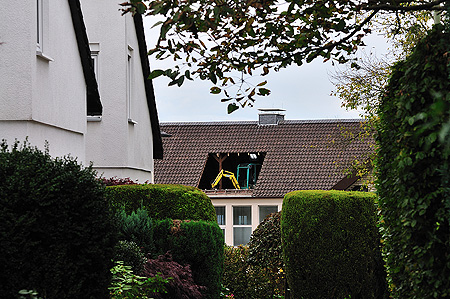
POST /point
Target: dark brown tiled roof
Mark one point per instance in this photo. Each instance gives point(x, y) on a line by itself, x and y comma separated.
point(300, 155)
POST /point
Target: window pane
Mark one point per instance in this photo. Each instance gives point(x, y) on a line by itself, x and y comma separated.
point(220, 212)
point(266, 210)
point(242, 215)
point(241, 235)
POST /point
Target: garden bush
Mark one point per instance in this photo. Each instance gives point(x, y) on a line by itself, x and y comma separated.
point(115, 181)
point(181, 284)
point(331, 245)
point(137, 228)
point(195, 243)
point(264, 250)
point(414, 171)
point(131, 255)
point(57, 235)
point(127, 285)
point(244, 281)
point(162, 201)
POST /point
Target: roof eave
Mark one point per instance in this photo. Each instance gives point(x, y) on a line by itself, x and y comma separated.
point(94, 105)
point(149, 91)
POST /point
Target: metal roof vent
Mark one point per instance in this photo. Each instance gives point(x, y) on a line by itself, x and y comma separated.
point(270, 116)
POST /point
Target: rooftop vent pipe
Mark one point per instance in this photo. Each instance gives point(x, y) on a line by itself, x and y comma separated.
point(270, 116)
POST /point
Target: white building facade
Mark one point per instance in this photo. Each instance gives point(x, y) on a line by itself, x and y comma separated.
point(74, 75)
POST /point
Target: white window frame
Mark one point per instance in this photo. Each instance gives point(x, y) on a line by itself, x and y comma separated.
point(130, 62)
point(95, 51)
point(223, 226)
point(39, 26)
point(242, 225)
point(262, 206)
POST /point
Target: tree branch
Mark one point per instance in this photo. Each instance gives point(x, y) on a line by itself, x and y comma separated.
point(356, 30)
point(428, 6)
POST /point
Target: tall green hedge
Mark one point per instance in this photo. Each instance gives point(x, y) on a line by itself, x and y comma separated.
point(414, 171)
point(56, 233)
point(331, 245)
point(197, 243)
point(163, 201)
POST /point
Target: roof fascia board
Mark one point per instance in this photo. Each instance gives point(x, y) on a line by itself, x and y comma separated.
point(94, 105)
point(149, 91)
point(346, 182)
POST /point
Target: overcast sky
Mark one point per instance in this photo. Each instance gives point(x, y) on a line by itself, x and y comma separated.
point(304, 92)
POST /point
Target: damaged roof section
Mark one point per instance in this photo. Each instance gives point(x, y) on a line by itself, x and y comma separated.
point(293, 155)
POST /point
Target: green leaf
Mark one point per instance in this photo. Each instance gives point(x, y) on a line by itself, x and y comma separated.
point(156, 24)
point(180, 81)
point(232, 107)
point(263, 92)
point(155, 74)
point(215, 90)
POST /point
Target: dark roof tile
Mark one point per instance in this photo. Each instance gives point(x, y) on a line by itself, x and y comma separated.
point(299, 154)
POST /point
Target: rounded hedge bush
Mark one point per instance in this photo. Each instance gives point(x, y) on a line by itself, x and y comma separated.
point(163, 201)
point(56, 235)
point(331, 245)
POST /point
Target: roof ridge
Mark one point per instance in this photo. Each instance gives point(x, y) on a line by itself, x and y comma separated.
point(251, 122)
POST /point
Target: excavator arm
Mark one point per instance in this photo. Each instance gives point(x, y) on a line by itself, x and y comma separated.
point(227, 174)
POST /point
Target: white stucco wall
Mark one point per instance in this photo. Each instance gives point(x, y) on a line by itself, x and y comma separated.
point(115, 146)
point(255, 203)
point(47, 97)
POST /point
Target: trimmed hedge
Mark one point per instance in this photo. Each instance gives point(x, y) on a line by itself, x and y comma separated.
point(56, 233)
point(331, 245)
point(162, 201)
point(414, 170)
point(195, 243)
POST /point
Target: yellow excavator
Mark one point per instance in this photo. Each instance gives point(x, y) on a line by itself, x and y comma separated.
point(227, 174)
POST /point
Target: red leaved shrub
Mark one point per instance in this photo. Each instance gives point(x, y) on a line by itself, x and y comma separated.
point(181, 283)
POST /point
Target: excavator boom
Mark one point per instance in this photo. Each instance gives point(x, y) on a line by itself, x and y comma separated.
point(227, 174)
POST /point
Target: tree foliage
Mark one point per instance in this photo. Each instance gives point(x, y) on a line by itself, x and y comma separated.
point(224, 41)
point(414, 172)
point(361, 84)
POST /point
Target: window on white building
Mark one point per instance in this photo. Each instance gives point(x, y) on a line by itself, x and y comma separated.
point(242, 224)
point(95, 50)
point(220, 212)
point(266, 210)
point(130, 85)
point(39, 26)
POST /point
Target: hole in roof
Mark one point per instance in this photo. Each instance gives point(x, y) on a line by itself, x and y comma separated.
point(244, 167)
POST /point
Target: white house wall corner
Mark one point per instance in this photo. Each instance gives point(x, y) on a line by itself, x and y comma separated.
point(43, 94)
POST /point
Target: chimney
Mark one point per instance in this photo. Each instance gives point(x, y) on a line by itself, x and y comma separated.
point(270, 116)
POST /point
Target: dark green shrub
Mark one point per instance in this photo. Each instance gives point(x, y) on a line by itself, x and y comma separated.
point(180, 281)
point(195, 243)
point(131, 255)
point(265, 251)
point(56, 232)
point(163, 201)
point(137, 228)
point(244, 281)
point(331, 245)
point(414, 171)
